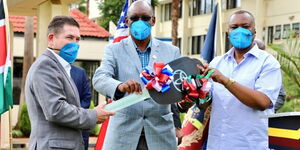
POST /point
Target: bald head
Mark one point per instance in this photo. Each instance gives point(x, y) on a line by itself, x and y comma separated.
point(246, 15)
point(138, 6)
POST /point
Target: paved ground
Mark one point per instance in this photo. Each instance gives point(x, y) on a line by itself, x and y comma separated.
point(22, 143)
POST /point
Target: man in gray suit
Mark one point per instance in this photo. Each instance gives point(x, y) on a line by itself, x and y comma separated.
point(145, 125)
point(51, 95)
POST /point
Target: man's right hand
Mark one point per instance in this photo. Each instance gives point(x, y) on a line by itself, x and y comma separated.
point(102, 114)
point(130, 86)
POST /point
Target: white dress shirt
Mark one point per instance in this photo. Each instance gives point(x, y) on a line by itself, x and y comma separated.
point(64, 63)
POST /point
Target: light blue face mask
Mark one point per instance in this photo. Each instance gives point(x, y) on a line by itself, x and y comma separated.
point(241, 38)
point(140, 29)
point(69, 52)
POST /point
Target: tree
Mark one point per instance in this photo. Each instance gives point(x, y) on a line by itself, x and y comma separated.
point(28, 55)
point(174, 17)
point(288, 54)
point(111, 9)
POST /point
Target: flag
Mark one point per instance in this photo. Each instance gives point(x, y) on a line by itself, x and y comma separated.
point(195, 129)
point(122, 31)
point(5, 65)
point(208, 51)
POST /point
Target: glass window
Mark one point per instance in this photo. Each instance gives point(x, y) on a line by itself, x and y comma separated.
point(296, 29)
point(197, 44)
point(167, 12)
point(277, 34)
point(180, 9)
point(90, 68)
point(286, 30)
point(233, 4)
point(162, 12)
point(17, 79)
point(208, 6)
point(270, 34)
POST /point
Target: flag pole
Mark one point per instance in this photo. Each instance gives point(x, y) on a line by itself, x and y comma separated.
point(10, 129)
point(220, 26)
point(8, 49)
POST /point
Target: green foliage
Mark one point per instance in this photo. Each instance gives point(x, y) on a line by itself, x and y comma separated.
point(111, 9)
point(17, 133)
point(96, 129)
point(81, 6)
point(290, 106)
point(24, 122)
point(288, 54)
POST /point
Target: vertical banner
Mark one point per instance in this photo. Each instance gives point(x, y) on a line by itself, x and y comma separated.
point(6, 99)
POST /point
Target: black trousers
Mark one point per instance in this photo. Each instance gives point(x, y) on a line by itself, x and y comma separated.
point(142, 145)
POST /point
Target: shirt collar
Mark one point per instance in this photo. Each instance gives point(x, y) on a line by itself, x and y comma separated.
point(254, 51)
point(139, 50)
point(63, 62)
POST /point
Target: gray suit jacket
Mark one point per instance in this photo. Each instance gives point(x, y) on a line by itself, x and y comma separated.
point(120, 63)
point(54, 108)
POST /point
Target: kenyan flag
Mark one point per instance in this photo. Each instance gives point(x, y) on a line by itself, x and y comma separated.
point(5, 65)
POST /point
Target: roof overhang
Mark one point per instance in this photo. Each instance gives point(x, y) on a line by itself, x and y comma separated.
point(29, 7)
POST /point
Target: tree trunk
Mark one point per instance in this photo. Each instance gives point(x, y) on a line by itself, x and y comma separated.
point(87, 8)
point(28, 55)
point(175, 16)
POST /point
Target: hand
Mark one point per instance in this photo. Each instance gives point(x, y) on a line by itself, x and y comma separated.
point(179, 135)
point(130, 86)
point(102, 114)
point(217, 76)
point(184, 105)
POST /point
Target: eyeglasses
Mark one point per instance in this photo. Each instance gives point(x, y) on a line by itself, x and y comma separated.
point(136, 18)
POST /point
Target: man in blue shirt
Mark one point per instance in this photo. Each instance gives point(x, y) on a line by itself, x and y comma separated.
point(81, 81)
point(246, 85)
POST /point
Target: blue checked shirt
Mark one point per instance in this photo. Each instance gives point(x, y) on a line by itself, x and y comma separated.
point(233, 125)
point(144, 55)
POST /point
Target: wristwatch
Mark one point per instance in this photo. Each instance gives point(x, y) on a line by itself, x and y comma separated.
point(229, 83)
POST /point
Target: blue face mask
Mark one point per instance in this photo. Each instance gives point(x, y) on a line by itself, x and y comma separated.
point(241, 38)
point(69, 52)
point(140, 29)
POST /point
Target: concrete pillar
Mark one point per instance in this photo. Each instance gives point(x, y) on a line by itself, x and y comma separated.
point(158, 15)
point(185, 29)
point(45, 12)
point(260, 8)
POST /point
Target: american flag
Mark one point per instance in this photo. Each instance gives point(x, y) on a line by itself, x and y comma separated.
point(122, 32)
point(122, 29)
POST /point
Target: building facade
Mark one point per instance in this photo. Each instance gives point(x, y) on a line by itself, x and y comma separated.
point(274, 20)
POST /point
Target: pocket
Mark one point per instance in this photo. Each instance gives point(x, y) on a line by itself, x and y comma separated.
point(168, 116)
point(62, 144)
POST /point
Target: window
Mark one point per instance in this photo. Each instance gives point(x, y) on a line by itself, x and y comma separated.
point(277, 34)
point(179, 43)
point(17, 79)
point(286, 30)
point(90, 68)
point(168, 11)
point(296, 29)
point(233, 4)
point(180, 9)
point(270, 34)
point(197, 44)
point(209, 6)
point(196, 7)
point(228, 44)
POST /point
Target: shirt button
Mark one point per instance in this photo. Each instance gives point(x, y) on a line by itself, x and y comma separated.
point(223, 121)
point(222, 134)
point(225, 107)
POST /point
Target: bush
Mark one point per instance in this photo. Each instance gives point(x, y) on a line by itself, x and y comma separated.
point(24, 122)
point(17, 133)
point(96, 129)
